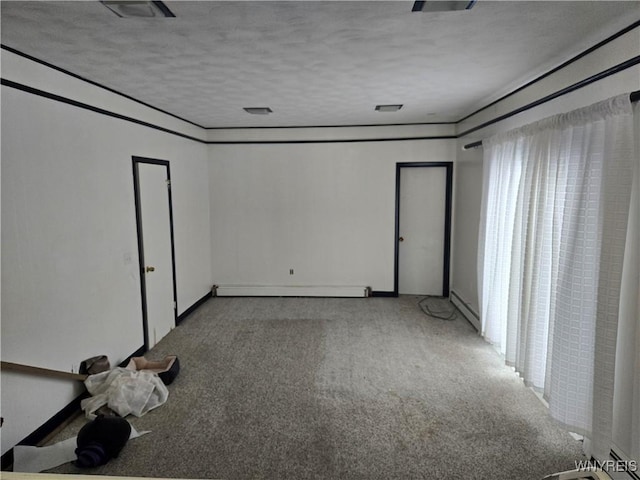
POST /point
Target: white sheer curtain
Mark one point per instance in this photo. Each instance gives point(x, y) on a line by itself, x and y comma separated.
point(626, 412)
point(555, 211)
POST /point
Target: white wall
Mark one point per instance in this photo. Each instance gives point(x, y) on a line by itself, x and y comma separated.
point(190, 196)
point(327, 210)
point(70, 275)
point(467, 192)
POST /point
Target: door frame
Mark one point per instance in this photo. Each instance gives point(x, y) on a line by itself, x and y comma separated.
point(135, 161)
point(447, 221)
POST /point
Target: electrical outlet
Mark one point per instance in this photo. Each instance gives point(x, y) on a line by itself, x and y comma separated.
point(291, 271)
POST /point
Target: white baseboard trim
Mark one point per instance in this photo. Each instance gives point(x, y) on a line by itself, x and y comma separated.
point(291, 291)
point(470, 315)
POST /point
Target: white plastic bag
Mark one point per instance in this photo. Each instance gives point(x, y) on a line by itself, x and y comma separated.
point(125, 392)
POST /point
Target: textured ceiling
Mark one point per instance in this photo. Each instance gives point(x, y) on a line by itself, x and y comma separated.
point(312, 63)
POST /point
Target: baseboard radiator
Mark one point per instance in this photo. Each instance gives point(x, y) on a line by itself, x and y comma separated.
point(465, 309)
point(291, 291)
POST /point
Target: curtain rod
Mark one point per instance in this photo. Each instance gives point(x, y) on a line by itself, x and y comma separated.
point(634, 97)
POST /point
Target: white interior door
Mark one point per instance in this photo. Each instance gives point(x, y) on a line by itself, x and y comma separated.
point(157, 252)
point(422, 223)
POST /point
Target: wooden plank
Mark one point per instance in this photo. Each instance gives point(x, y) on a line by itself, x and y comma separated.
point(44, 372)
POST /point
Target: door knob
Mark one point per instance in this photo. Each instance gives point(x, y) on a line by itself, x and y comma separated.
point(150, 269)
point(401, 239)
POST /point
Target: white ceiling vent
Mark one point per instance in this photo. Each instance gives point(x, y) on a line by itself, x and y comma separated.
point(137, 9)
point(442, 5)
point(388, 108)
point(258, 110)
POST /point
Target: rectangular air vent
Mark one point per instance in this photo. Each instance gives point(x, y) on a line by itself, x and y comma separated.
point(442, 5)
point(388, 108)
point(138, 9)
point(258, 110)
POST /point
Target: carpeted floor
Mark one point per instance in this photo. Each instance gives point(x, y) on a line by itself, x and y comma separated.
point(315, 388)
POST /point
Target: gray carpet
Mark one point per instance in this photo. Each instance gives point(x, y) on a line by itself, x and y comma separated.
point(314, 388)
